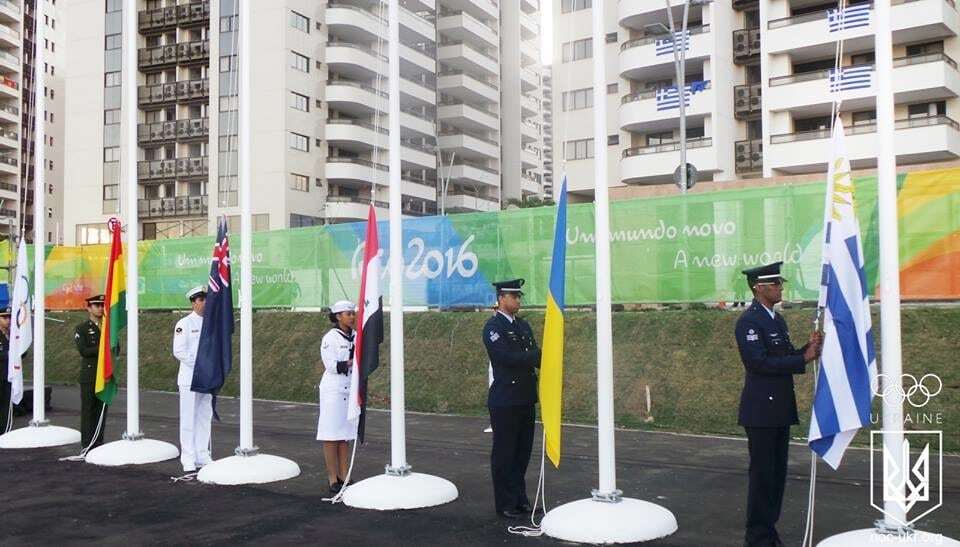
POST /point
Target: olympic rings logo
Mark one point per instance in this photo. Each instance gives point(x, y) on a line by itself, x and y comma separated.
point(918, 394)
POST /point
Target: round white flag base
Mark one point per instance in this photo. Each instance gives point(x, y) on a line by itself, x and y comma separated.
point(867, 537)
point(254, 469)
point(390, 492)
point(39, 436)
point(627, 521)
point(132, 452)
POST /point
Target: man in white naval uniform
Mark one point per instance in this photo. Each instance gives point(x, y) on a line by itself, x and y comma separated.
point(196, 409)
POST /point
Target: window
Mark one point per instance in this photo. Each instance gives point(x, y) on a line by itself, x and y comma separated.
point(811, 124)
point(612, 88)
point(611, 37)
point(862, 59)
point(227, 191)
point(922, 110)
point(578, 99)
point(867, 117)
point(111, 153)
point(111, 116)
point(299, 102)
point(613, 140)
point(925, 49)
point(229, 24)
point(228, 63)
point(114, 5)
point(695, 133)
point(299, 22)
point(111, 79)
point(566, 6)
point(112, 41)
point(663, 137)
point(92, 234)
point(303, 221)
point(577, 50)
point(297, 141)
point(111, 192)
point(579, 149)
point(299, 62)
point(301, 183)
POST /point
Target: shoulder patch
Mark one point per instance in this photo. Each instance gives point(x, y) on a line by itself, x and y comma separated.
point(494, 336)
point(179, 330)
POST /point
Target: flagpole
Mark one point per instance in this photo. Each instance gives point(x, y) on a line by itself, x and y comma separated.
point(40, 433)
point(247, 465)
point(893, 528)
point(398, 487)
point(132, 448)
point(607, 517)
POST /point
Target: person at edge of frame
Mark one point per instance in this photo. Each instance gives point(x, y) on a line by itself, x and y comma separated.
point(768, 404)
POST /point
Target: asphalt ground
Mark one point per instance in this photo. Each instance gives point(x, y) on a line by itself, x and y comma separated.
point(701, 479)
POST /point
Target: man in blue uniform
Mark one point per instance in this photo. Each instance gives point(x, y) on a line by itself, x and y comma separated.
point(514, 357)
point(768, 406)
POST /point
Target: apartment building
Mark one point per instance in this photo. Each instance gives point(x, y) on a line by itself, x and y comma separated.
point(760, 83)
point(17, 113)
point(319, 122)
point(547, 131)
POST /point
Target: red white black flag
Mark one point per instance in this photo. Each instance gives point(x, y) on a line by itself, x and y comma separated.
point(370, 330)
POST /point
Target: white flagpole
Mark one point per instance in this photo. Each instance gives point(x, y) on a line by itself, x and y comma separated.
point(247, 465)
point(133, 448)
point(398, 487)
point(40, 433)
point(606, 517)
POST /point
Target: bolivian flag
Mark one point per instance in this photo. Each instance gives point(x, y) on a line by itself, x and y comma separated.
point(551, 361)
point(114, 318)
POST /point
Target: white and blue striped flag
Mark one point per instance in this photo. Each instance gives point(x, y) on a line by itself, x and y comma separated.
point(848, 367)
point(851, 77)
point(666, 45)
point(849, 17)
point(668, 98)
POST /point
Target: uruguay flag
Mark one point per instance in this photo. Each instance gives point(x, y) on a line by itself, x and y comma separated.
point(366, 356)
point(848, 368)
point(215, 350)
point(551, 358)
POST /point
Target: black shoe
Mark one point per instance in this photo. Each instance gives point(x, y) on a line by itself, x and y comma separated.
point(524, 508)
point(335, 487)
point(510, 514)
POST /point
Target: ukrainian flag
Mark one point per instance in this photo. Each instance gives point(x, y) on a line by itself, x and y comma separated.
point(551, 361)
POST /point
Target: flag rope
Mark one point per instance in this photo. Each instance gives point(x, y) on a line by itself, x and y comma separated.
point(338, 498)
point(812, 489)
point(535, 530)
point(82, 456)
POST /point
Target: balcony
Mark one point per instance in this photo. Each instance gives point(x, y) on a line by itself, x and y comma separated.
point(9, 12)
point(346, 209)
point(916, 78)
point(156, 132)
point(529, 132)
point(463, 27)
point(9, 164)
point(9, 62)
point(530, 186)
point(157, 19)
point(458, 201)
point(913, 21)
point(474, 173)
point(469, 146)
point(529, 106)
point(9, 113)
point(355, 98)
point(156, 94)
point(740, 5)
point(158, 56)
point(467, 87)
point(180, 206)
point(529, 80)
point(643, 112)
point(193, 13)
point(463, 56)
point(656, 164)
point(530, 157)
point(529, 27)
point(748, 156)
point(481, 9)
point(639, 55)
point(192, 167)
point(746, 45)
point(9, 88)
point(190, 52)
point(188, 90)
point(354, 60)
point(150, 170)
point(10, 37)
point(747, 103)
point(473, 117)
point(916, 140)
point(194, 128)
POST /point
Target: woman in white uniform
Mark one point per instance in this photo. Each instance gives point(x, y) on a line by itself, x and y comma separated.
point(336, 353)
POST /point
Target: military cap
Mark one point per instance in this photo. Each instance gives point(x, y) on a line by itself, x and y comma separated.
point(193, 293)
point(764, 274)
point(96, 299)
point(5, 312)
point(511, 286)
point(342, 306)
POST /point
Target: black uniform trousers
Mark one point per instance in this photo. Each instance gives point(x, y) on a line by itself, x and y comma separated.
point(512, 444)
point(768, 474)
point(90, 409)
point(6, 409)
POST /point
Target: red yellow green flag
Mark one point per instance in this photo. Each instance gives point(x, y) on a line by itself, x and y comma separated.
point(114, 318)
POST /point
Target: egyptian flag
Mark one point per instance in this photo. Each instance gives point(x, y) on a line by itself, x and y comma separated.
point(215, 349)
point(114, 317)
point(370, 330)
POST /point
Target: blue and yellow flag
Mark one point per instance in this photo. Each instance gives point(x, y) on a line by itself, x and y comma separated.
point(551, 361)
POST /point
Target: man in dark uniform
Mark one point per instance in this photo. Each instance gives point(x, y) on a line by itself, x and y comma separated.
point(6, 405)
point(768, 406)
point(87, 338)
point(514, 356)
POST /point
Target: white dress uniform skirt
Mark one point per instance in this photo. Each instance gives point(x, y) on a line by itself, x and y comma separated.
point(333, 424)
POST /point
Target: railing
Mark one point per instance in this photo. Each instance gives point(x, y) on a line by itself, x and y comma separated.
point(194, 12)
point(470, 47)
point(475, 165)
point(10, 58)
point(10, 6)
point(863, 128)
point(157, 55)
point(747, 100)
point(924, 58)
point(748, 156)
point(462, 133)
point(697, 142)
point(9, 83)
point(171, 207)
point(10, 109)
point(637, 42)
point(358, 85)
point(476, 106)
point(193, 51)
point(357, 123)
point(898, 62)
point(7, 134)
point(359, 161)
point(822, 14)
point(156, 169)
point(652, 93)
point(9, 160)
point(359, 47)
point(474, 77)
point(468, 16)
point(10, 33)
point(181, 90)
point(192, 167)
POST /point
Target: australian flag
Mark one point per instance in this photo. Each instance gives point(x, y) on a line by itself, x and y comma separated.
point(215, 351)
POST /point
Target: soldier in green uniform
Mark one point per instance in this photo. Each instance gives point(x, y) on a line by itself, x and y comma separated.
point(87, 338)
point(6, 406)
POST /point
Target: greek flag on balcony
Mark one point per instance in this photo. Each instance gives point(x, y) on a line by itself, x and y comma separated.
point(851, 77)
point(847, 378)
point(665, 45)
point(668, 98)
point(850, 17)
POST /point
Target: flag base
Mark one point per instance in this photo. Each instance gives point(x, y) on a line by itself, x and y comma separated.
point(132, 452)
point(39, 436)
point(389, 492)
point(248, 469)
point(872, 536)
point(593, 521)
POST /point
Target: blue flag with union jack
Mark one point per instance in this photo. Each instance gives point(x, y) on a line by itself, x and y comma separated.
point(215, 350)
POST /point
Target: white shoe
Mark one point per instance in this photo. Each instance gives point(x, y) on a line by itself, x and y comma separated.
point(189, 469)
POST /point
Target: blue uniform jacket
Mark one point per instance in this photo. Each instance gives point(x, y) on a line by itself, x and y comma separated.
point(770, 360)
point(514, 356)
